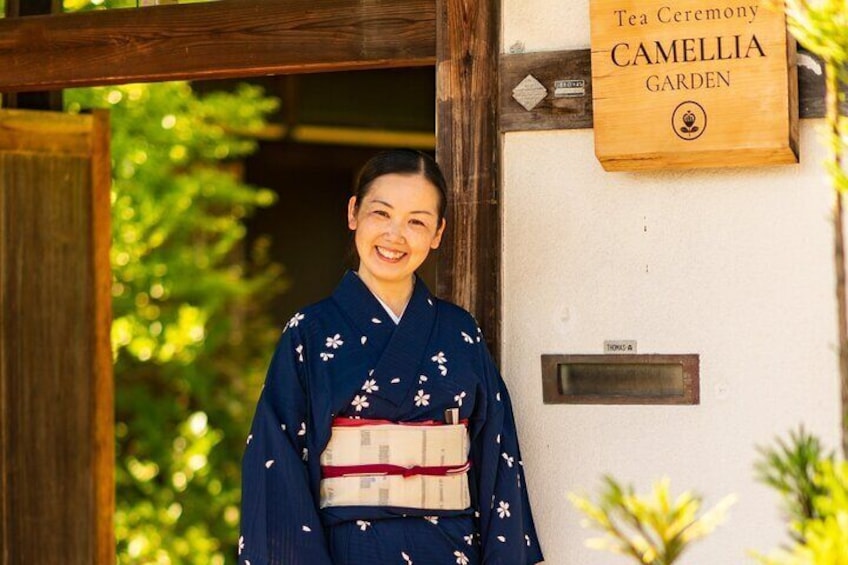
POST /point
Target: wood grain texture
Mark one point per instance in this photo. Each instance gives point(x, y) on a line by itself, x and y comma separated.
point(577, 114)
point(547, 68)
point(63, 134)
point(48, 366)
point(230, 38)
point(102, 381)
point(467, 149)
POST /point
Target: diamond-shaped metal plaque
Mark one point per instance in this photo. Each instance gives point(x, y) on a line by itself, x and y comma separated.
point(529, 92)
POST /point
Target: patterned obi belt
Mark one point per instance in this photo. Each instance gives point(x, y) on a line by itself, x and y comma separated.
point(381, 463)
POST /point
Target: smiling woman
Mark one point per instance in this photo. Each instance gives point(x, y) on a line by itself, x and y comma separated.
point(398, 217)
point(384, 432)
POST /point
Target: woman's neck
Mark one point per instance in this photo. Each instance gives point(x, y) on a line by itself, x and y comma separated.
point(395, 295)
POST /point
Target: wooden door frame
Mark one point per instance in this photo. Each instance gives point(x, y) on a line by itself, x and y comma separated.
point(244, 38)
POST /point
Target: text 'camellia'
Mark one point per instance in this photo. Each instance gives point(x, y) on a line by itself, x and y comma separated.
point(697, 66)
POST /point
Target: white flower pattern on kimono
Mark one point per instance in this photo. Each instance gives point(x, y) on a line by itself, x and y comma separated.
point(302, 430)
point(299, 350)
point(461, 559)
point(370, 386)
point(432, 519)
point(249, 437)
point(268, 463)
point(360, 402)
point(363, 524)
point(305, 455)
point(469, 539)
point(527, 539)
point(241, 544)
point(503, 510)
point(335, 341)
point(422, 399)
point(509, 460)
point(295, 320)
point(458, 398)
point(439, 358)
point(406, 558)
point(466, 337)
point(326, 356)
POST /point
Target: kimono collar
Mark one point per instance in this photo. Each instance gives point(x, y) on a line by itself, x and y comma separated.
point(405, 347)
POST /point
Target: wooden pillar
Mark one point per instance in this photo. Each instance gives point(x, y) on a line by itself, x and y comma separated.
point(43, 100)
point(57, 446)
point(468, 150)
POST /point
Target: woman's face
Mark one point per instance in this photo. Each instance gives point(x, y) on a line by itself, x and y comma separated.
point(396, 226)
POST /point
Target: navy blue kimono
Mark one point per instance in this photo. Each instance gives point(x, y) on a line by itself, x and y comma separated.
point(345, 357)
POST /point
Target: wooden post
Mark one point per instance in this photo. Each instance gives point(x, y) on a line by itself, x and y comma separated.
point(43, 100)
point(56, 401)
point(468, 150)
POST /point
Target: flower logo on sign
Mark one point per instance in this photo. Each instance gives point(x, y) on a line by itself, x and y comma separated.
point(689, 120)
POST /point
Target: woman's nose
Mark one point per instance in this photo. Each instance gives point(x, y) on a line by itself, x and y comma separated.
point(395, 230)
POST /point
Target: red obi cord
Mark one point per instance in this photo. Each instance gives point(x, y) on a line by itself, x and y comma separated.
point(341, 422)
point(330, 472)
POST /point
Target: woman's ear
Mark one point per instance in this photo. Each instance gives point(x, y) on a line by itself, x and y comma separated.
point(437, 240)
point(351, 213)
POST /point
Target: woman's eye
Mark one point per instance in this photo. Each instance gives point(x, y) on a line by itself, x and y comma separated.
point(382, 213)
point(418, 223)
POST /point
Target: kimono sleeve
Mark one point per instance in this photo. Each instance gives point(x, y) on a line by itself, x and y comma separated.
point(279, 518)
point(508, 535)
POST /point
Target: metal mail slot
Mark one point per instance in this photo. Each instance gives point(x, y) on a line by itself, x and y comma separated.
point(620, 379)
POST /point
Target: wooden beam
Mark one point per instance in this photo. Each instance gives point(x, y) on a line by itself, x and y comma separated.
point(226, 39)
point(568, 111)
point(467, 148)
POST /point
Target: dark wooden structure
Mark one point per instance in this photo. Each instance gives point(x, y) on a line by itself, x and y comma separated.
point(242, 38)
point(57, 446)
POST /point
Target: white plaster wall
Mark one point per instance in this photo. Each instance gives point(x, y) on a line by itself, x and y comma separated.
point(732, 264)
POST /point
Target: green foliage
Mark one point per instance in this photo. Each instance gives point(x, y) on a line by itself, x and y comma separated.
point(825, 535)
point(822, 27)
point(791, 469)
point(190, 336)
point(653, 531)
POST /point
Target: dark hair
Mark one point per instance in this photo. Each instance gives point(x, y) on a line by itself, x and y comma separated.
point(401, 162)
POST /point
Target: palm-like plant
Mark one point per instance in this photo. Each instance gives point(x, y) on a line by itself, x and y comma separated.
point(652, 530)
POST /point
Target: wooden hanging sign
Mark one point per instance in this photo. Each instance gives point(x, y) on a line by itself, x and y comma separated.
point(692, 83)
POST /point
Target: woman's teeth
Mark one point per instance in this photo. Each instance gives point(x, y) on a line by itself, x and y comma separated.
point(389, 254)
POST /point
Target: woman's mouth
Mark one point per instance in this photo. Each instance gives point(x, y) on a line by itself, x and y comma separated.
point(389, 255)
